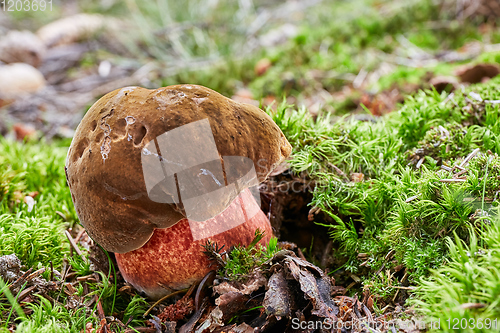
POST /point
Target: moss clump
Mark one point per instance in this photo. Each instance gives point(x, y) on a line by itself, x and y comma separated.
point(240, 261)
point(442, 144)
point(467, 287)
point(396, 207)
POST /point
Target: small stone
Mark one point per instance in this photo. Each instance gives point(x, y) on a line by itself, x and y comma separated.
point(21, 46)
point(20, 79)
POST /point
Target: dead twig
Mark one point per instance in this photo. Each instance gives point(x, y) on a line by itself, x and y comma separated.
point(301, 254)
point(326, 254)
point(23, 278)
point(313, 211)
point(79, 235)
point(165, 298)
point(403, 288)
point(458, 174)
point(444, 167)
point(454, 180)
point(74, 245)
point(469, 157)
point(412, 198)
point(25, 293)
point(102, 316)
point(338, 171)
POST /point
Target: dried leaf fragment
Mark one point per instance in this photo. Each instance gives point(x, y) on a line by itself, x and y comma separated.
point(278, 299)
point(316, 287)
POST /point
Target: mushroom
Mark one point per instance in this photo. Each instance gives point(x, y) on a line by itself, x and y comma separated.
point(154, 174)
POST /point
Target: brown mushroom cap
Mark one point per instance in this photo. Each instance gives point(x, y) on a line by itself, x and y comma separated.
point(104, 169)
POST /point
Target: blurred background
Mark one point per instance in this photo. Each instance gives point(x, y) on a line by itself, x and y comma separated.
point(358, 56)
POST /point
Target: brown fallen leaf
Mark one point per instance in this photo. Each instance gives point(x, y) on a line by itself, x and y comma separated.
point(242, 328)
point(262, 66)
point(24, 131)
point(477, 73)
point(278, 298)
point(315, 284)
point(253, 283)
point(230, 303)
point(213, 321)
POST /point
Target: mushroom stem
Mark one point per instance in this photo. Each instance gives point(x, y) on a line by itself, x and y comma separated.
point(172, 257)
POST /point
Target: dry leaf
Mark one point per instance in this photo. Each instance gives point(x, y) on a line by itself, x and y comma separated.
point(253, 283)
point(316, 286)
point(262, 66)
point(277, 300)
point(477, 73)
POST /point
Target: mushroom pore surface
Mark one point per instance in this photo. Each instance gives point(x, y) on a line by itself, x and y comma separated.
point(104, 169)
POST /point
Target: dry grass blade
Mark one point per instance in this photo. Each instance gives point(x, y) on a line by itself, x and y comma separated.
point(74, 245)
point(469, 157)
point(454, 180)
point(164, 298)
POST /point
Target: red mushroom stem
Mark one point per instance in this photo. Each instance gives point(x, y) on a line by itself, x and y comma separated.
point(173, 259)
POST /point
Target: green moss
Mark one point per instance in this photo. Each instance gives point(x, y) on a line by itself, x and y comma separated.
point(240, 261)
point(397, 206)
point(467, 287)
point(35, 240)
point(442, 144)
point(36, 236)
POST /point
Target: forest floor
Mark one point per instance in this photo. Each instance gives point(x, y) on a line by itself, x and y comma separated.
point(390, 196)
